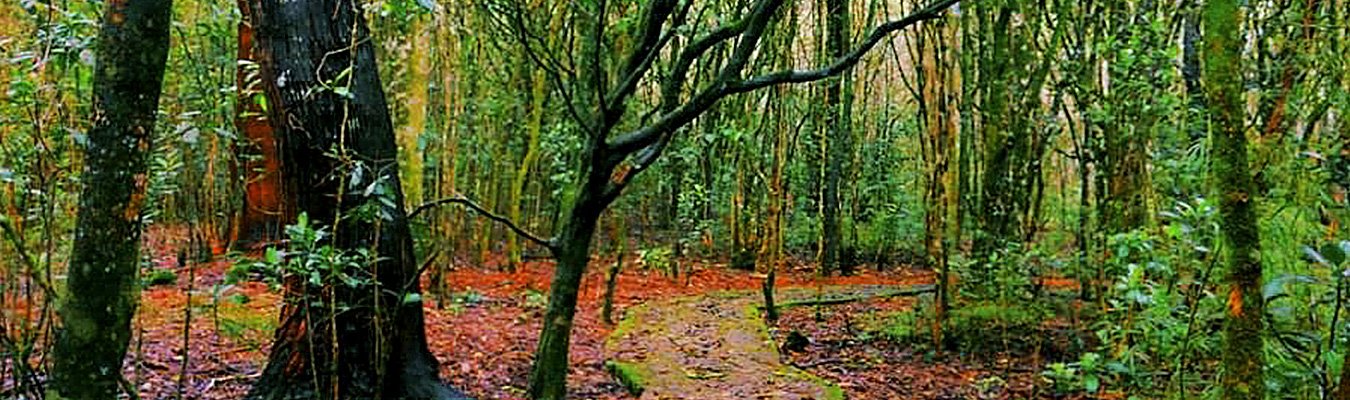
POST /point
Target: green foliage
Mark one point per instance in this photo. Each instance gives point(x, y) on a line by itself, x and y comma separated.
point(312, 261)
point(535, 300)
point(1085, 375)
point(659, 259)
point(988, 327)
point(159, 277)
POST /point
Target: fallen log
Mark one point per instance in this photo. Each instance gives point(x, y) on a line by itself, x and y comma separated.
point(827, 301)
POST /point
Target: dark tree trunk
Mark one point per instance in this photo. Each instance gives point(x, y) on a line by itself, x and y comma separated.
point(997, 219)
point(1242, 377)
point(338, 152)
point(102, 284)
point(572, 249)
point(838, 137)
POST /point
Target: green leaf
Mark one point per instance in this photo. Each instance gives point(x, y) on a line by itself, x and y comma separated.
point(1333, 253)
point(412, 298)
point(272, 256)
point(1091, 383)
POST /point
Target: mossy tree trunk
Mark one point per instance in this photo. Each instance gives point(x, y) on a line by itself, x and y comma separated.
point(940, 118)
point(838, 139)
point(102, 285)
point(1242, 364)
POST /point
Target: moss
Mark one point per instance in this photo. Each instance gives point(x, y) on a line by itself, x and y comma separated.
point(987, 327)
point(832, 390)
point(160, 277)
point(625, 325)
point(631, 376)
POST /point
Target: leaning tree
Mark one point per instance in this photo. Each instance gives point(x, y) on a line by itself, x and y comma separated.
point(600, 78)
point(102, 287)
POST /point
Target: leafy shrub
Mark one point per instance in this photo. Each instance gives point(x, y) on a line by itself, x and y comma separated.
point(658, 258)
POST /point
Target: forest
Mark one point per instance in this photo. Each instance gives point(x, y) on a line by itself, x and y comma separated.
point(674, 199)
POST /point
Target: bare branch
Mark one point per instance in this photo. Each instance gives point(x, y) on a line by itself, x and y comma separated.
point(750, 29)
point(841, 64)
point(640, 60)
point(460, 199)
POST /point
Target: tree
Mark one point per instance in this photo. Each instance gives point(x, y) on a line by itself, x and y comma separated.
point(1242, 377)
point(263, 210)
point(940, 118)
point(103, 284)
point(838, 137)
point(338, 154)
point(598, 97)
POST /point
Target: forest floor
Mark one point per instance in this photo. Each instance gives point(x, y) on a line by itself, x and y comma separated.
point(718, 346)
point(485, 331)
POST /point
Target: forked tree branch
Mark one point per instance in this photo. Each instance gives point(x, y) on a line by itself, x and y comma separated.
point(729, 83)
point(460, 199)
point(932, 11)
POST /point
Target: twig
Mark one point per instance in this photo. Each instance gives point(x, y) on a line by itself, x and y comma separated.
point(460, 199)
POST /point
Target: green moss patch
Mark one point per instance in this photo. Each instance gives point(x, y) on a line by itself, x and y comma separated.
point(630, 375)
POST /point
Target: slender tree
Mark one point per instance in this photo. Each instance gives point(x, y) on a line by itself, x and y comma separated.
point(598, 97)
point(939, 116)
point(838, 137)
point(102, 284)
point(1242, 377)
point(339, 155)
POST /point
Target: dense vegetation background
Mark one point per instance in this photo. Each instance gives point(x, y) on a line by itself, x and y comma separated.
point(1157, 187)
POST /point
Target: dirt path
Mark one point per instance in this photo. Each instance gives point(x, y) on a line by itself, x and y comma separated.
point(717, 347)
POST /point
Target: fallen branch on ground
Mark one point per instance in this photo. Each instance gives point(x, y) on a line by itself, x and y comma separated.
point(825, 301)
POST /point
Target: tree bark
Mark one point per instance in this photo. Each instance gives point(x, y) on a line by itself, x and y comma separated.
point(548, 376)
point(102, 285)
point(339, 157)
point(263, 213)
point(1242, 363)
point(940, 118)
point(838, 137)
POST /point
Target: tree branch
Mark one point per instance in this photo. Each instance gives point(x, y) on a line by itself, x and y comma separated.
point(728, 82)
point(641, 59)
point(460, 199)
point(670, 90)
point(933, 11)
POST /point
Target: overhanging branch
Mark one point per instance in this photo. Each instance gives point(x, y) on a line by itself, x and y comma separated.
point(933, 11)
point(728, 82)
point(460, 199)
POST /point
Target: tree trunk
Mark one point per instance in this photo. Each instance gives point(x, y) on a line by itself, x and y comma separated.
point(548, 378)
point(941, 122)
point(838, 138)
point(261, 216)
point(1242, 377)
point(535, 128)
point(612, 276)
point(411, 161)
point(102, 286)
point(339, 153)
point(997, 218)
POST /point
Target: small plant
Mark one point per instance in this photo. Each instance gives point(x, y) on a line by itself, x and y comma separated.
point(159, 277)
point(658, 258)
point(314, 262)
point(1081, 376)
point(535, 299)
